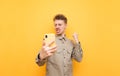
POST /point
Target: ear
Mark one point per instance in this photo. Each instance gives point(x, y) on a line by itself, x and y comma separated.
point(65, 25)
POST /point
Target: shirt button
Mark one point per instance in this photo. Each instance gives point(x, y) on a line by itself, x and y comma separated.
point(64, 65)
point(65, 75)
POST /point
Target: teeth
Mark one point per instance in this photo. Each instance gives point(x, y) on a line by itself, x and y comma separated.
point(57, 30)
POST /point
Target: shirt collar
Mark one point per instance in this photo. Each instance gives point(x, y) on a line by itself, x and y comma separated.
point(61, 37)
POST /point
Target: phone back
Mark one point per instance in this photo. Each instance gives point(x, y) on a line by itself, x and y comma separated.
point(48, 38)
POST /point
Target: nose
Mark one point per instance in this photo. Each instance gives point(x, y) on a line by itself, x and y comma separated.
point(56, 26)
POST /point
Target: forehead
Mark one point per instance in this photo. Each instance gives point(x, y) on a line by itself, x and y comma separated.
point(59, 21)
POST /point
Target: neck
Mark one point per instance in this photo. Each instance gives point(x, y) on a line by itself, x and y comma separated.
point(63, 35)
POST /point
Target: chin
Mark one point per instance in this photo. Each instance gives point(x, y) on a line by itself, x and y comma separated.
point(58, 33)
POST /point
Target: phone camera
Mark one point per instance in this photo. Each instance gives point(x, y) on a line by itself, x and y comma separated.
point(46, 36)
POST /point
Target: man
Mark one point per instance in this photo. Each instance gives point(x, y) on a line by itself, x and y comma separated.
point(58, 58)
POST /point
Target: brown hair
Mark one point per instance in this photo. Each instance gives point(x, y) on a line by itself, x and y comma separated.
point(60, 17)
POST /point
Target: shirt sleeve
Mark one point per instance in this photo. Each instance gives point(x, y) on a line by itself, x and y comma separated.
point(77, 52)
point(39, 61)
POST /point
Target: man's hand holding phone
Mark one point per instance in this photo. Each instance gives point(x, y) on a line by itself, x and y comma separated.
point(48, 49)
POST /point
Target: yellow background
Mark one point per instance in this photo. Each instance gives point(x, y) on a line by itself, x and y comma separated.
point(23, 23)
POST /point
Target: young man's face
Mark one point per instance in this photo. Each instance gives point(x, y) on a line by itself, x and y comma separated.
point(60, 26)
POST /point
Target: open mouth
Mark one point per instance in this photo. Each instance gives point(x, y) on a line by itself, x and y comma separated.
point(57, 30)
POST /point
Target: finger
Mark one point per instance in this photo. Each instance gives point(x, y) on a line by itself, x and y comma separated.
point(53, 47)
point(43, 44)
point(47, 48)
point(52, 51)
point(75, 34)
point(50, 54)
point(50, 48)
point(50, 43)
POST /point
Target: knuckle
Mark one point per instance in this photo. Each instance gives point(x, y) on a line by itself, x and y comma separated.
point(47, 52)
point(43, 47)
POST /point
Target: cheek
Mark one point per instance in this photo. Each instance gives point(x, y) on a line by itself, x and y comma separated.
point(63, 28)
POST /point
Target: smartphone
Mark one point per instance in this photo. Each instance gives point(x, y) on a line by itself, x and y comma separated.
point(48, 38)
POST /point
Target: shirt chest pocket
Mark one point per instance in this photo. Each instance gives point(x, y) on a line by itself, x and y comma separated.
point(69, 48)
point(68, 52)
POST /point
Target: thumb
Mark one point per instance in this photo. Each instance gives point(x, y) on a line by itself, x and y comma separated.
point(43, 44)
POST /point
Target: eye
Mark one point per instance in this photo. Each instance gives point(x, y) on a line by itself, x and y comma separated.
point(55, 24)
point(59, 24)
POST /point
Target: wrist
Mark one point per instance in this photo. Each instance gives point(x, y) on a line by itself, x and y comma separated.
point(77, 41)
point(41, 56)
